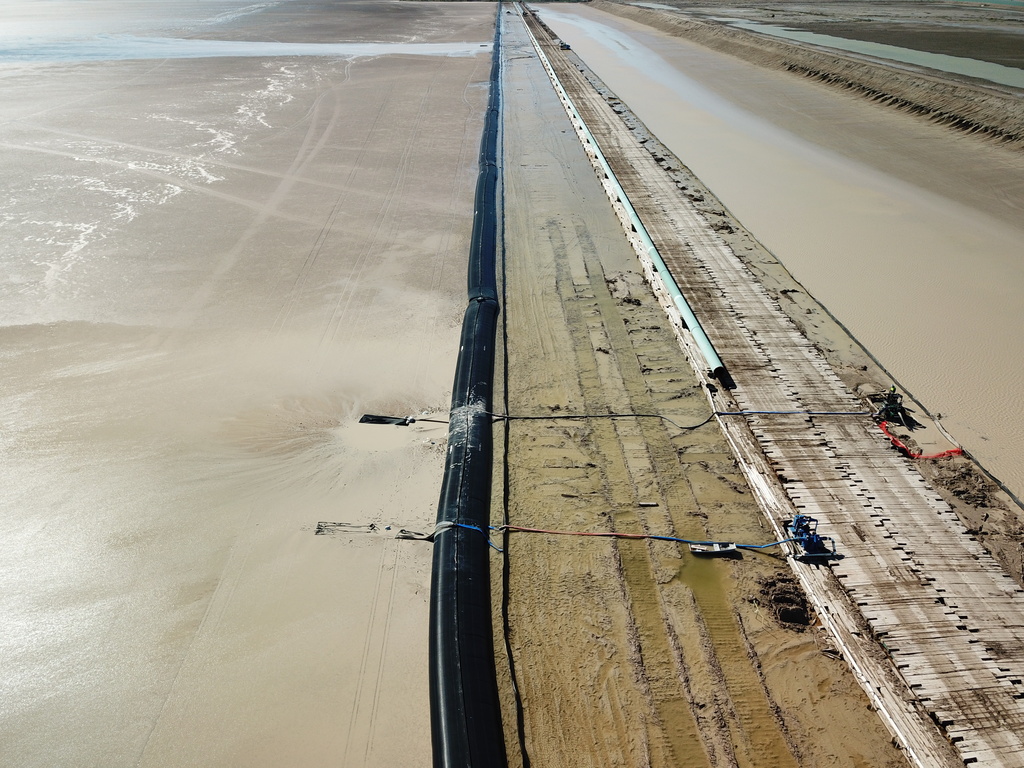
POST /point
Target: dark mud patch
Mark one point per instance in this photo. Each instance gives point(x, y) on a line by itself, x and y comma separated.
point(963, 480)
point(783, 597)
point(998, 47)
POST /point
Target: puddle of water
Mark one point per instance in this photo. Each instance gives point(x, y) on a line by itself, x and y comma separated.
point(996, 73)
point(656, 6)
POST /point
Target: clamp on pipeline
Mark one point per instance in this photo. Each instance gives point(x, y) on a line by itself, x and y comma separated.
point(441, 527)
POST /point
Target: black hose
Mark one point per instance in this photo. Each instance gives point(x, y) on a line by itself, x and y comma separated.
point(465, 712)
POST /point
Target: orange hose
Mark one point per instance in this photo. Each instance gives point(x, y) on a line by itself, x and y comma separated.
point(909, 453)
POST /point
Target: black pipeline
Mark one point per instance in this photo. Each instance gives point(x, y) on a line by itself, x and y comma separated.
point(465, 714)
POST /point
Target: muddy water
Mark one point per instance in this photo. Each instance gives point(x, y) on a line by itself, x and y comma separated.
point(210, 268)
point(910, 235)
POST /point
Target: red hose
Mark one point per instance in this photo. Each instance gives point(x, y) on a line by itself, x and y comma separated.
point(909, 453)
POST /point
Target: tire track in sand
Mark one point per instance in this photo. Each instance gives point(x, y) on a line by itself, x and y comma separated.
point(313, 142)
point(379, 237)
point(359, 738)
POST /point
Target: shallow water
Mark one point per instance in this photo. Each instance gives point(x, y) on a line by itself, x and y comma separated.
point(1013, 3)
point(985, 70)
point(209, 268)
point(125, 47)
point(910, 234)
point(56, 31)
point(44, 20)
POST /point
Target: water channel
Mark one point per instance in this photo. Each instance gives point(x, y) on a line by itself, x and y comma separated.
point(958, 65)
point(911, 235)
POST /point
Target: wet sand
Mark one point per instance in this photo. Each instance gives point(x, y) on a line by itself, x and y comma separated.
point(212, 266)
point(908, 233)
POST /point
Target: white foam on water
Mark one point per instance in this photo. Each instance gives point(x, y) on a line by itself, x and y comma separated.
point(55, 247)
point(277, 92)
point(123, 188)
point(72, 238)
point(237, 13)
point(186, 168)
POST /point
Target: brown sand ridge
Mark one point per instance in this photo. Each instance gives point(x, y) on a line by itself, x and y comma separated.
point(974, 107)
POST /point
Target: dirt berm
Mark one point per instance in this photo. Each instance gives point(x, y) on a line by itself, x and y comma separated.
point(988, 110)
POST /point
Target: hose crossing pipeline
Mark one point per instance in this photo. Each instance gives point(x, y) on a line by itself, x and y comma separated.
point(506, 529)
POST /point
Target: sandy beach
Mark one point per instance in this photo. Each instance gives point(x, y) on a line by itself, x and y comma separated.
point(215, 260)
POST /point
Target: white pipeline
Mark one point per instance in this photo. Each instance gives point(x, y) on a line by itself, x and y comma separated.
point(618, 197)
